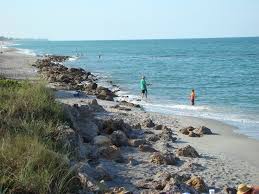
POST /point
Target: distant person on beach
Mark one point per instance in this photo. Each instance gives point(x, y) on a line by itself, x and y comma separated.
point(245, 189)
point(143, 87)
point(192, 97)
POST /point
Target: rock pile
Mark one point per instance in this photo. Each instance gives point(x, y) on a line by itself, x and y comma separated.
point(195, 132)
point(52, 69)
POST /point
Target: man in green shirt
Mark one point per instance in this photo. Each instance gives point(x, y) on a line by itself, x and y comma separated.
point(143, 87)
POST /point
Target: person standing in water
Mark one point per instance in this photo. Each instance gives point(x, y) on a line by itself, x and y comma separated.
point(143, 87)
point(192, 97)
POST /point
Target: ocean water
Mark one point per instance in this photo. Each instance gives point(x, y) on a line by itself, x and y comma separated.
point(224, 73)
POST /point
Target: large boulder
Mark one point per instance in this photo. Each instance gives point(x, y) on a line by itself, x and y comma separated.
point(187, 151)
point(102, 140)
point(198, 184)
point(119, 138)
point(167, 159)
point(203, 131)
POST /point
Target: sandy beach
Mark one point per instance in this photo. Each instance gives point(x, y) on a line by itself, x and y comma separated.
point(226, 158)
point(16, 65)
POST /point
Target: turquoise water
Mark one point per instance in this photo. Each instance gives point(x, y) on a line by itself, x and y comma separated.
point(224, 73)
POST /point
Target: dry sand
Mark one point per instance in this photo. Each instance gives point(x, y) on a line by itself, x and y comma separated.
point(16, 65)
point(227, 158)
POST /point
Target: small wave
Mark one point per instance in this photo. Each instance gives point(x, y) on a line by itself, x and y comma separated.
point(73, 58)
point(26, 52)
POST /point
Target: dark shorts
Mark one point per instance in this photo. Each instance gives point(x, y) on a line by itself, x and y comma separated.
point(144, 91)
point(192, 101)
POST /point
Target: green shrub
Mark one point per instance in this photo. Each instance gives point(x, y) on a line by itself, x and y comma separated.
point(29, 161)
point(29, 166)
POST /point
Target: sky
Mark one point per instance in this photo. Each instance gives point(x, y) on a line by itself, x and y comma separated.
point(128, 19)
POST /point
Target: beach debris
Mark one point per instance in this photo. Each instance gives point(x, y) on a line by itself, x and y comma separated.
point(136, 142)
point(187, 151)
point(168, 158)
point(148, 123)
point(94, 102)
point(110, 153)
point(198, 184)
point(147, 148)
point(102, 140)
point(203, 131)
point(119, 138)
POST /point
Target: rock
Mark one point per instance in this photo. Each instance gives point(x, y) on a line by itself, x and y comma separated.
point(193, 134)
point(119, 138)
point(92, 86)
point(229, 190)
point(178, 188)
point(146, 148)
point(186, 130)
point(153, 138)
point(167, 135)
point(119, 190)
point(149, 184)
point(162, 178)
point(102, 174)
point(66, 137)
point(94, 102)
point(203, 130)
point(167, 159)
point(87, 176)
point(102, 140)
point(159, 127)
point(110, 153)
point(136, 142)
point(137, 126)
point(88, 130)
point(198, 184)
point(148, 123)
point(110, 125)
point(187, 151)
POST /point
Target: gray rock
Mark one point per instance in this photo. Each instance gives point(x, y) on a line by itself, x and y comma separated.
point(102, 140)
point(187, 151)
point(203, 131)
point(119, 138)
point(149, 123)
point(136, 142)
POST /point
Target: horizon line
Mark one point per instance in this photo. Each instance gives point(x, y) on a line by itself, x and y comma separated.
point(222, 37)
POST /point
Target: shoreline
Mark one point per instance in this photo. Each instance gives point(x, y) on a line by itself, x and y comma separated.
point(226, 154)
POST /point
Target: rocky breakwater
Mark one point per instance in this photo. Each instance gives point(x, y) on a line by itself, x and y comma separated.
point(54, 71)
